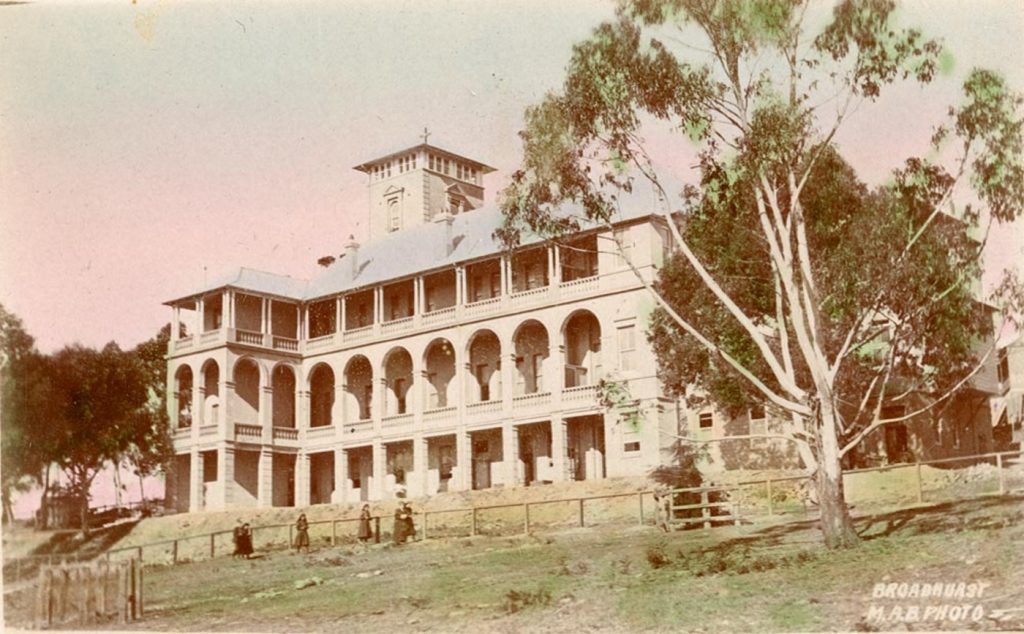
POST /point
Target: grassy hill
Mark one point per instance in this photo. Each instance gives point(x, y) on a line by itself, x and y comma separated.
point(765, 577)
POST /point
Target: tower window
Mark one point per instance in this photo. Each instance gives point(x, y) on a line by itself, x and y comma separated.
point(394, 215)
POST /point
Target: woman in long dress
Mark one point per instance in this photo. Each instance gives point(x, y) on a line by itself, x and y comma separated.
point(365, 532)
point(301, 533)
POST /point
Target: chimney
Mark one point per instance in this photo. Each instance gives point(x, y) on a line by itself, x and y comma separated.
point(446, 217)
point(352, 253)
point(326, 261)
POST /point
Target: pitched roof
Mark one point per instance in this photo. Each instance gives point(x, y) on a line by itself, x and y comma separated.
point(401, 254)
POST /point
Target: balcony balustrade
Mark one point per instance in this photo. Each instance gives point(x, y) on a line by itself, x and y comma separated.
point(484, 410)
point(286, 433)
point(483, 307)
point(581, 394)
point(249, 337)
point(579, 286)
point(324, 431)
point(210, 336)
point(397, 420)
point(440, 415)
point(248, 433)
point(359, 334)
point(529, 297)
point(208, 430)
point(523, 403)
point(359, 428)
point(285, 343)
point(439, 317)
point(184, 342)
point(396, 326)
point(320, 342)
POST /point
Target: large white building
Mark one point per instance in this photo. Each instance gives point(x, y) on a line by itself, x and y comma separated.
point(428, 359)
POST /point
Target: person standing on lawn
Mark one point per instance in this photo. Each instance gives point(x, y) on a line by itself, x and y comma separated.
point(301, 533)
point(398, 533)
point(365, 532)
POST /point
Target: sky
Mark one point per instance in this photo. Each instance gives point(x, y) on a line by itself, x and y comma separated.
point(147, 146)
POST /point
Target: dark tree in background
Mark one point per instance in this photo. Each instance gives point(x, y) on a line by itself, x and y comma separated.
point(791, 282)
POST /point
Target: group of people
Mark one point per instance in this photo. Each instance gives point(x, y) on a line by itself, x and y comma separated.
point(404, 530)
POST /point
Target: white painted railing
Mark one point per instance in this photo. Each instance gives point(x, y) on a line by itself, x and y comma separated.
point(532, 296)
point(320, 342)
point(440, 415)
point(484, 410)
point(483, 307)
point(397, 420)
point(440, 316)
point(251, 338)
point(397, 325)
point(285, 343)
point(358, 427)
point(243, 431)
point(184, 342)
point(580, 394)
point(524, 402)
point(209, 337)
point(579, 286)
point(324, 431)
point(286, 433)
point(358, 334)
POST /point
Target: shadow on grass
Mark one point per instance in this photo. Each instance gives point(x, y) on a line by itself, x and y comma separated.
point(97, 542)
point(945, 517)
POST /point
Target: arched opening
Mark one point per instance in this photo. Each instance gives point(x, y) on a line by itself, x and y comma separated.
point(582, 337)
point(283, 383)
point(183, 396)
point(321, 396)
point(398, 380)
point(247, 393)
point(439, 360)
point(532, 350)
point(484, 367)
point(211, 393)
point(358, 389)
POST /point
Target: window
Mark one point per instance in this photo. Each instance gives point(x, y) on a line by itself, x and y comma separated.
point(495, 284)
point(757, 420)
point(707, 420)
point(627, 347)
point(1003, 369)
point(394, 215)
point(630, 447)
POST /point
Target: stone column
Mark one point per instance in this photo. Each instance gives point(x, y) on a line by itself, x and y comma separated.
point(225, 474)
point(197, 401)
point(420, 464)
point(224, 423)
point(559, 448)
point(464, 460)
point(302, 482)
point(265, 416)
point(195, 481)
point(510, 452)
point(376, 490)
point(340, 493)
point(265, 478)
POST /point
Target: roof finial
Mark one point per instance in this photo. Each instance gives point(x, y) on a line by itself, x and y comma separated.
point(426, 135)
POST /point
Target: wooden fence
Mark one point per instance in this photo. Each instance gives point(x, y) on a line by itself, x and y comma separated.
point(88, 594)
point(748, 499)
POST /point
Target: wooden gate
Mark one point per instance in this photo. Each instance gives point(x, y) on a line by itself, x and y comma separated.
point(89, 593)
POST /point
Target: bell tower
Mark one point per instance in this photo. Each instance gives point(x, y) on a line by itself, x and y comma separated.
point(415, 185)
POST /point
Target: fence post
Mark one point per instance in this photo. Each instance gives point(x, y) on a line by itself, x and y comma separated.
point(705, 511)
point(291, 540)
point(174, 553)
point(920, 484)
point(425, 526)
point(472, 525)
point(581, 513)
point(334, 532)
point(376, 529)
point(139, 593)
point(771, 503)
point(140, 555)
point(999, 471)
point(640, 507)
point(526, 518)
point(212, 535)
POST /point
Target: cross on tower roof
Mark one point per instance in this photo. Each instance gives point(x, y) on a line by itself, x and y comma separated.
point(425, 135)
